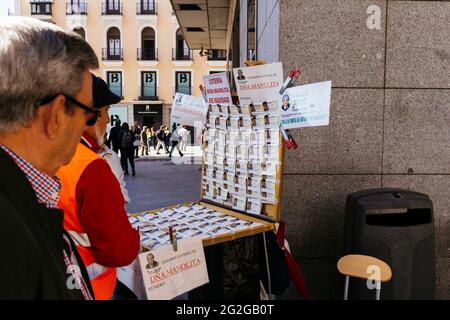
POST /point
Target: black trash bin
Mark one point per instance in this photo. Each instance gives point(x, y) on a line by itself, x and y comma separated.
point(396, 226)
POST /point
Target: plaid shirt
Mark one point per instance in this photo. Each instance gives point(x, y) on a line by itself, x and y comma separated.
point(47, 191)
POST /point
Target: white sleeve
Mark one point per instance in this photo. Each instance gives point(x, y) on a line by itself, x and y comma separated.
point(114, 163)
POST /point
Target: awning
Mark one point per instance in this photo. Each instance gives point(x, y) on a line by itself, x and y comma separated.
point(206, 24)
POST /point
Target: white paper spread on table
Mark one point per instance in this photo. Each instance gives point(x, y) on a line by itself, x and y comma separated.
point(168, 273)
point(306, 106)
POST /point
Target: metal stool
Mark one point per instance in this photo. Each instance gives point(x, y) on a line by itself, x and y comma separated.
point(355, 265)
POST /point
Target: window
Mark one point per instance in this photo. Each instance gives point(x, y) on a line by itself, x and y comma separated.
point(181, 50)
point(76, 7)
point(43, 7)
point(148, 81)
point(113, 50)
point(183, 82)
point(112, 7)
point(217, 55)
point(148, 45)
point(81, 32)
point(115, 82)
point(146, 7)
point(251, 30)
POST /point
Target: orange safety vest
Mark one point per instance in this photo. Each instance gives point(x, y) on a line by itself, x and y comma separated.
point(103, 279)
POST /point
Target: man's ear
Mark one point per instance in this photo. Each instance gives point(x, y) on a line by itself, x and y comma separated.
point(53, 115)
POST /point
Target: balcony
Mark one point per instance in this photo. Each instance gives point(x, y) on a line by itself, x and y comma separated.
point(251, 54)
point(112, 8)
point(146, 94)
point(41, 7)
point(112, 54)
point(79, 8)
point(184, 54)
point(217, 55)
point(147, 54)
point(146, 7)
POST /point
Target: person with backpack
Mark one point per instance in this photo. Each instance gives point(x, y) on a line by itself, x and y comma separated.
point(175, 138)
point(160, 136)
point(127, 149)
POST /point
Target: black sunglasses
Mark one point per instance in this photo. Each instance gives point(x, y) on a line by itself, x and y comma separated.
point(89, 122)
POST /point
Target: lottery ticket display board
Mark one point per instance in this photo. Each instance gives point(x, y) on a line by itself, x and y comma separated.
point(243, 159)
point(240, 183)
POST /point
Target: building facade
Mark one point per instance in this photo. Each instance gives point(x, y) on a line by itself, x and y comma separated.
point(143, 55)
point(389, 64)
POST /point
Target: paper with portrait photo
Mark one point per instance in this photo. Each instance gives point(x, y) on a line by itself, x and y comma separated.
point(239, 202)
point(241, 167)
point(260, 83)
point(168, 273)
point(254, 206)
point(306, 106)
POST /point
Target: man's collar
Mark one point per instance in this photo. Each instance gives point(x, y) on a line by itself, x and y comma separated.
point(89, 142)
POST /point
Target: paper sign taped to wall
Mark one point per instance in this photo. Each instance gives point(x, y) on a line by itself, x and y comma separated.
point(260, 83)
point(217, 89)
point(168, 273)
point(188, 110)
point(306, 106)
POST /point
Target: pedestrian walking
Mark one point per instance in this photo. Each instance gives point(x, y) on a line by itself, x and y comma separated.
point(175, 139)
point(185, 137)
point(160, 136)
point(127, 149)
point(167, 135)
point(144, 146)
point(137, 139)
point(114, 136)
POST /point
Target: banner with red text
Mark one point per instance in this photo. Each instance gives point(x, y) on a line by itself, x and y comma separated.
point(259, 83)
point(217, 89)
point(168, 273)
point(188, 110)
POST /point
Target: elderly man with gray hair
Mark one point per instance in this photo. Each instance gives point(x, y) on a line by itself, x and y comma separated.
point(45, 105)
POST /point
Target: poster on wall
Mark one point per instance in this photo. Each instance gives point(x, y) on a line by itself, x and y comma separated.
point(187, 110)
point(117, 113)
point(217, 89)
point(259, 83)
point(306, 106)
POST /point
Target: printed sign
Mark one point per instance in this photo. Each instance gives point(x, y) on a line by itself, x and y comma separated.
point(117, 113)
point(259, 83)
point(306, 106)
point(168, 273)
point(217, 89)
point(188, 110)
